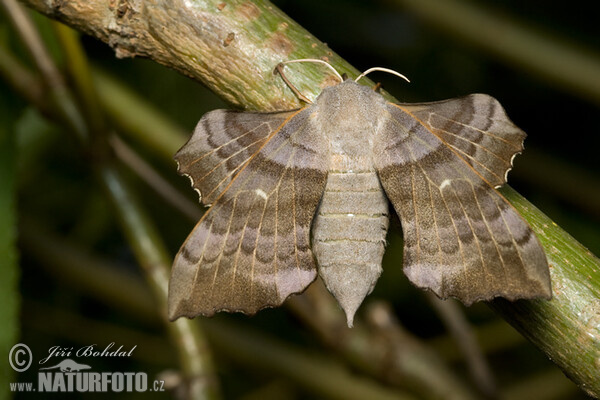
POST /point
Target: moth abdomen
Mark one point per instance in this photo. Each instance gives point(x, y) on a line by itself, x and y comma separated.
point(348, 236)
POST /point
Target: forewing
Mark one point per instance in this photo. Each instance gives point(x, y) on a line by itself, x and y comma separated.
point(477, 128)
point(252, 249)
point(461, 237)
point(223, 141)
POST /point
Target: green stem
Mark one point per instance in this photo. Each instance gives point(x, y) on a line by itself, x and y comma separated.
point(79, 72)
point(19, 77)
point(153, 257)
point(160, 185)
point(567, 328)
point(135, 117)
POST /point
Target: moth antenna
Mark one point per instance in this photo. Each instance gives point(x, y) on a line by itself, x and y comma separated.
point(316, 61)
point(279, 68)
point(389, 71)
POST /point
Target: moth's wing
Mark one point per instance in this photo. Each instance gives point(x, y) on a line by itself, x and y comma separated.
point(252, 248)
point(461, 237)
point(477, 128)
point(223, 141)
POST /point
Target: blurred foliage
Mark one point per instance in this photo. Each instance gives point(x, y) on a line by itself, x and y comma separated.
point(56, 189)
point(9, 273)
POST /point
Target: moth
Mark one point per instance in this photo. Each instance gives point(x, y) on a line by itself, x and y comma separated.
point(297, 192)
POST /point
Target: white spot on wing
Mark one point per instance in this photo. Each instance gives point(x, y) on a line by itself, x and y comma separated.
point(445, 182)
point(261, 193)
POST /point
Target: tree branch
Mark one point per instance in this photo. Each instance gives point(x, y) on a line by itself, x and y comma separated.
point(567, 328)
point(230, 47)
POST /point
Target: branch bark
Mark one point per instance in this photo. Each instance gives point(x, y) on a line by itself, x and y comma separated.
point(567, 328)
point(232, 47)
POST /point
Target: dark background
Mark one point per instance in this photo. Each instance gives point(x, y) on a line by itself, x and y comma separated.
point(56, 189)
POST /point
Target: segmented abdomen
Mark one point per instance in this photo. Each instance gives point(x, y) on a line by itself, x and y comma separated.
point(348, 235)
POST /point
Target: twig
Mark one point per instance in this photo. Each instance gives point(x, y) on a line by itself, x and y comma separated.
point(135, 117)
point(59, 99)
point(459, 328)
point(410, 355)
point(37, 50)
point(162, 187)
point(386, 350)
point(320, 375)
point(493, 338)
point(24, 82)
point(79, 72)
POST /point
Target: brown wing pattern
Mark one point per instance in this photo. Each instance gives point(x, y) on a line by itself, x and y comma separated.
point(461, 237)
point(477, 128)
point(252, 248)
point(223, 141)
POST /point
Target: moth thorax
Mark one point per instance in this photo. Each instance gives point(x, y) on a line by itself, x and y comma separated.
point(350, 163)
point(350, 107)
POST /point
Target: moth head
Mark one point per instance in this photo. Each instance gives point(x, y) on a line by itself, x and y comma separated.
point(349, 100)
point(343, 78)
